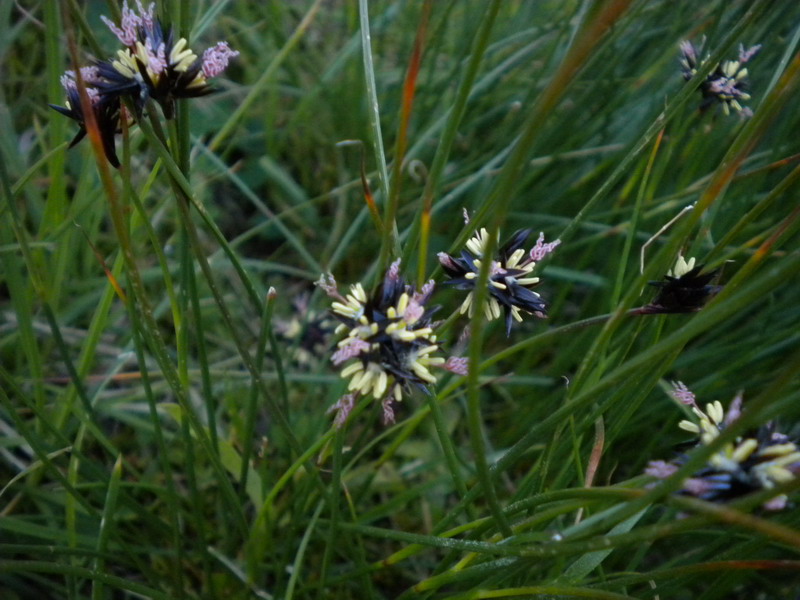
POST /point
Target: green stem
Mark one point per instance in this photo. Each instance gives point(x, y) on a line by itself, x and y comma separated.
point(456, 113)
point(389, 232)
point(480, 297)
point(252, 405)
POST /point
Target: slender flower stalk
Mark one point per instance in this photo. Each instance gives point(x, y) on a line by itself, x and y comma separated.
point(510, 276)
point(759, 460)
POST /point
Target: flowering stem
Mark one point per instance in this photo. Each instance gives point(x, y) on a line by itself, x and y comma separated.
point(186, 269)
point(456, 113)
point(252, 405)
point(390, 237)
point(179, 133)
point(333, 503)
point(634, 221)
point(151, 332)
point(163, 451)
point(450, 453)
point(389, 234)
point(132, 198)
point(474, 420)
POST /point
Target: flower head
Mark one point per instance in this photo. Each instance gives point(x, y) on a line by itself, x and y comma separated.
point(162, 67)
point(305, 331)
point(106, 110)
point(389, 346)
point(726, 84)
point(152, 64)
point(510, 280)
point(756, 461)
point(685, 289)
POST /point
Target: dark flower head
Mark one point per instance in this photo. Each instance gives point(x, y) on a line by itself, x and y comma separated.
point(152, 65)
point(106, 110)
point(160, 67)
point(685, 289)
point(510, 280)
point(757, 461)
point(389, 345)
point(727, 84)
point(306, 331)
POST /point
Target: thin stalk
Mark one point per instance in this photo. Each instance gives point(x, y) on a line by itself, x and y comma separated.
point(106, 524)
point(449, 453)
point(202, 357)
point(163, 456)
point(634, 221)
point(333, 505)
point(390, 243)
point(434, 179)
point(480, 296)
point(373, 115)
point(150, 331)
point(180, 137)
point(252, 405)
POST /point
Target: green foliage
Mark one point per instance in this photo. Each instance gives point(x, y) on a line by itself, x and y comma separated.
point(165, 357)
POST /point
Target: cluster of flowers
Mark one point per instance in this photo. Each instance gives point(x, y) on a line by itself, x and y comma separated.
point(305, 330)
point(390, 337)
point(390, 346)
point(153, 64)
point(726, 84)
point(686, 288)
point(757, 461)
point(510, 280)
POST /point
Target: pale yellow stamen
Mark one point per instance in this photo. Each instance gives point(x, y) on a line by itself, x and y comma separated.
point(682, 266)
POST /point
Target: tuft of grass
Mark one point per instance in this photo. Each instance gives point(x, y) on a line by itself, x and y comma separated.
point(165, 356)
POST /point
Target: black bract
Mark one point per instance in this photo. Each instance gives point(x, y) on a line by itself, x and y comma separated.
point(106, 115)
point(509, 278)
point(685, 294)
